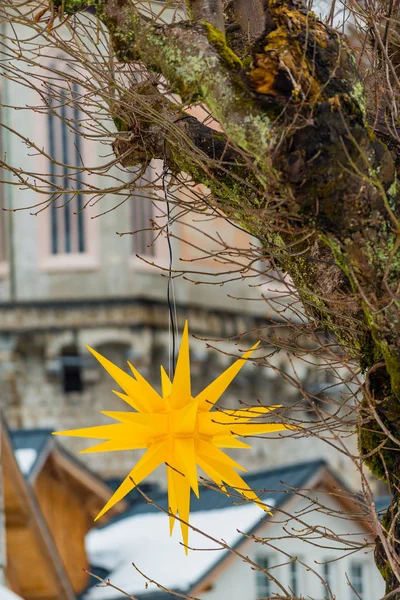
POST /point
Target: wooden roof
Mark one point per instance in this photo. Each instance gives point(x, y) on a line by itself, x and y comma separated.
point(34, 567)
point(50, 456)
point(49, 508)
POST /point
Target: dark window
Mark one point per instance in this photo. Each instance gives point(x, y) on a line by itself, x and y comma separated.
point(294, 577)
point(263, 583)
point(357, 579)
point(71, 370)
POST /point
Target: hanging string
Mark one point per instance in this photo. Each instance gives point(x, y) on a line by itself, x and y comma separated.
point(173, 320)
point(170, 291)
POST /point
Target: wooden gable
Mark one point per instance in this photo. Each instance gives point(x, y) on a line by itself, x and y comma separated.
point(34, 568)
point(70, 497)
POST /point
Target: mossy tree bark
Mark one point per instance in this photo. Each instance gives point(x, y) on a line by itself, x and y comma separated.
point(298, 165)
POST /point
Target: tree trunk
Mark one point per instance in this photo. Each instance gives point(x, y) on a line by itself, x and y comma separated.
point(379, 439)
point(3, 544)
point(297, 165)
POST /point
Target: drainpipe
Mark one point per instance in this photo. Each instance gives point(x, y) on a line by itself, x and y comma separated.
point(3, 552)
point(11, 215)
point(11, 248)
point(8, 189)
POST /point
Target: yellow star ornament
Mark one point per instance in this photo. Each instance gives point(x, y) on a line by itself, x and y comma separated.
point(179, 430)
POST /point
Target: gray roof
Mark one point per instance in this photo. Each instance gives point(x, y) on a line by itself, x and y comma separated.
point(43, 442)
point(39, 440)
point(280, 483)
point(382, 503)
point(30, 438)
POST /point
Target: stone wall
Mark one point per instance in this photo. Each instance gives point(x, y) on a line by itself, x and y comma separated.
point(32, 375)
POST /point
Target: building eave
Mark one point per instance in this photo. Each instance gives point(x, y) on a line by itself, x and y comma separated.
point(37, 523)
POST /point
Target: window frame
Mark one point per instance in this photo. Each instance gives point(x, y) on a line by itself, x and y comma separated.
point(355, 591)
point(261, 578)
point(4, 221)
point(67, 261)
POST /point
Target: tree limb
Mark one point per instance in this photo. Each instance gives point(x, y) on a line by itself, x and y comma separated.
point(196, 62)
point(206, 155)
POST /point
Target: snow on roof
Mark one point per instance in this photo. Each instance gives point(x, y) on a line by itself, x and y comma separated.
point(26, 458)
point(34, 440)
point(144, 540)
point(6, 594)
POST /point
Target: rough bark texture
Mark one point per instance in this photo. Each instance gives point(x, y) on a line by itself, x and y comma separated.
point(251, 17)
point(298, 166)
point(210, 11)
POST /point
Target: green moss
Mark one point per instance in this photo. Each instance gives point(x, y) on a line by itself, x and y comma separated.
point(370, 352)
point(385, 570)
point(375, 348)
point(371, 135)
point(218, 40)
point(120, 124)
point(339, 256)
point(393, 191)
point(247, 62)
point(70, 7)
point(380, 459)
point(380, 452)
point(357, 94)
point(390, 521)
point(392, 365)
point(370, 438)
point(189, 8)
